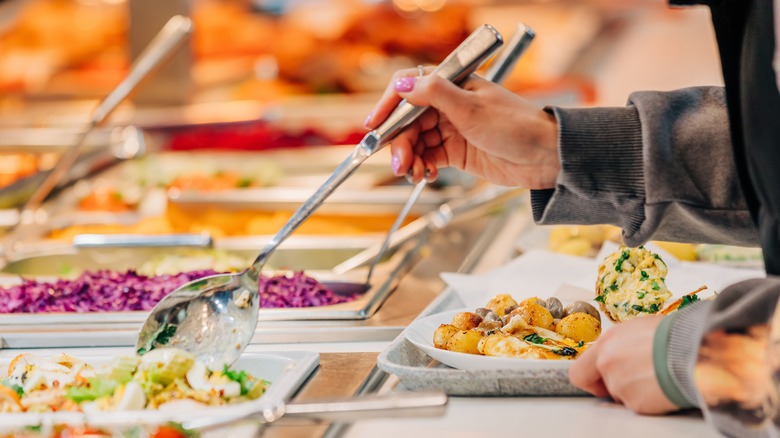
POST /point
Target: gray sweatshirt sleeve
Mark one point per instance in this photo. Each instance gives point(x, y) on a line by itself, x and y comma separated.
point(724, 356)
point(660, 168)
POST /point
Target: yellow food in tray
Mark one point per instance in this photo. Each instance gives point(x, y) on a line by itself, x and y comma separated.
point(531, 329)
point(631, 282)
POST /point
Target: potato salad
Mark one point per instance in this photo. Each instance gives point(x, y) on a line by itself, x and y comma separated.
point(632, 282)
point(160, 378)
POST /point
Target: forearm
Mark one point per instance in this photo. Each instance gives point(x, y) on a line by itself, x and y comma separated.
point(660, 168)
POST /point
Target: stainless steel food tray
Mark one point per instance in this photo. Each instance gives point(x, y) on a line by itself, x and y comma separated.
point(314, 259)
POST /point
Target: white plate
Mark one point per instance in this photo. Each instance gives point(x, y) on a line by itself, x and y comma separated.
point(285, 370)
point(420, 333)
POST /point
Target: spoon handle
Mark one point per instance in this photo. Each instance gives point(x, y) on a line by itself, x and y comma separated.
point(463, 61)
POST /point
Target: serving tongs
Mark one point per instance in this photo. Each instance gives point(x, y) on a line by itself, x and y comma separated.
point(215, 317)
point(162, 45)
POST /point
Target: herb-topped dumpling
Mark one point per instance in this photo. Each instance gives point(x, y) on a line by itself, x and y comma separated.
point(632, 282)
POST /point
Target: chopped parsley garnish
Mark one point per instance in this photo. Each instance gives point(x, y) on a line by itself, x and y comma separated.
point(613, 286)
point(688, 299)
point(162, 337)
point(640, 294)
point(652, 308)
point(580, 344)
point(19, 390)
point(565, 351)
point(534, 339)
point(643, 275)
point(619, 262)
point(600, 298)
point(240, 377)
point(655, 285)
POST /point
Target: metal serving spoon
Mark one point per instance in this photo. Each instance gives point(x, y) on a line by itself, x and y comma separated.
point(215, 317)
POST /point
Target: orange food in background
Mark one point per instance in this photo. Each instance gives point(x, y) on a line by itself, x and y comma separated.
point(14, 167)
point(224, 223)
point(105, 200)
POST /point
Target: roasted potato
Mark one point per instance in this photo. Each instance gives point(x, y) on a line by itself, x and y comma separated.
point(465, 341)
point(579, 327)
point(533, 314)
point(443, 334)
point(500, 302)
point(466, 320)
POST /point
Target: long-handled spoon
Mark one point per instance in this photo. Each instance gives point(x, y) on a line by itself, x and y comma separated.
point(215, 317)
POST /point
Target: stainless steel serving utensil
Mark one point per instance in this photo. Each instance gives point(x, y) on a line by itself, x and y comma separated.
point(499, 69)
point(215, 317)
point(402, 404)
point(166, 41)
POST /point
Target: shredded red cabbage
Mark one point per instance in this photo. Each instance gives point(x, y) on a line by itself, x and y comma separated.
point(111, 291)
point(297, 291)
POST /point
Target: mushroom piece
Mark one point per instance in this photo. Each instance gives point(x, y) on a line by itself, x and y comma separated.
point(555, 307)
point(491, 316)
point(582, 306)
point(482, 312)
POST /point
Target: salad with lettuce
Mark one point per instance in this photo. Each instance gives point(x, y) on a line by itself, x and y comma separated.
point(160, 379)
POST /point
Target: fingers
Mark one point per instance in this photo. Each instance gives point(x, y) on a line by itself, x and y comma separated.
point(390, 98)
point(584, 373)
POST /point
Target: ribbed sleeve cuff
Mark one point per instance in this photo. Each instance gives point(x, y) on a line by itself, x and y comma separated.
point(602, 176)
point(675, 351)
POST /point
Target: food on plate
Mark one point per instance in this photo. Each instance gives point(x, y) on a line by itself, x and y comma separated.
point(686, 300)
point(531, 329)
point(110, 291)
point(164, 378)
point(632, 282)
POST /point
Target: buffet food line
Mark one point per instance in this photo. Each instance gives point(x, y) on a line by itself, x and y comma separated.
point(446, 330)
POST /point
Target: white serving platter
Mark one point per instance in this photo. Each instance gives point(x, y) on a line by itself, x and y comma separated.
point(286, 371)
point(420, 333)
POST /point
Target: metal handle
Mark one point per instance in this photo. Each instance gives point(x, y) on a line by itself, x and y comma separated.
point(161, 46)
point(136, 240)
point(407, 404)
point(464, 60)
point(505, 61)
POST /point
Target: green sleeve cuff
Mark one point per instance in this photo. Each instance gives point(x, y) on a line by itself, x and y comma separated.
point(661, 363)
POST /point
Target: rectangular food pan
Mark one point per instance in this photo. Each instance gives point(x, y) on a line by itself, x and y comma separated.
point(316, 257)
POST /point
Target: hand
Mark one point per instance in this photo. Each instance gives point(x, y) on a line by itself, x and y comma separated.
point(620, 365)
point(483, 129)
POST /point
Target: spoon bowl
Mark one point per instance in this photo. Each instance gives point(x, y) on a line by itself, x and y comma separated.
point(215, 316)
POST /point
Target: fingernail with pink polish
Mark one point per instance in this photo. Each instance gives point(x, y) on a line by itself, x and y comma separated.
point(395, 164)
point(404, 85)
point(368, 119)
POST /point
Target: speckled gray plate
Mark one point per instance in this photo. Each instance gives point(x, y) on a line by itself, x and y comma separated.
point(418, 371)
